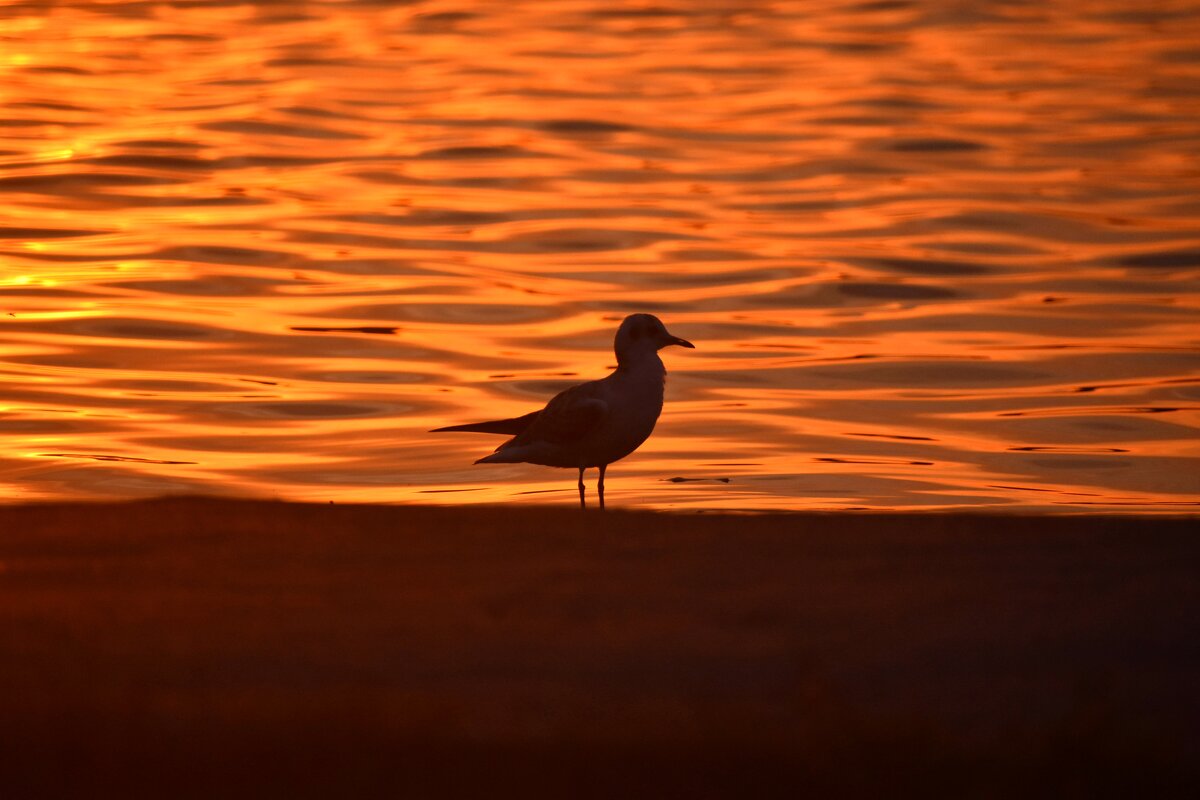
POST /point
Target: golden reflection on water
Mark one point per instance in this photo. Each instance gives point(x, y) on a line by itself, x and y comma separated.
point(933, 255)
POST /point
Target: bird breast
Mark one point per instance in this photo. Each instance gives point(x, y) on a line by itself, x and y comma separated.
point(635, 400)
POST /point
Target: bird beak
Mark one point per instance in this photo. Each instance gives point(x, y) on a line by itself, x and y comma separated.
point(680, 342)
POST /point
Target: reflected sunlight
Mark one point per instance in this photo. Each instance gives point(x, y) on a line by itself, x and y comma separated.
point(930, 260)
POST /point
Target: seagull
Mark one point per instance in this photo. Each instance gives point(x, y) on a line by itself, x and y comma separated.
point(595, 423)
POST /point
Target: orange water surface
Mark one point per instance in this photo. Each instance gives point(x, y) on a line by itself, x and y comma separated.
point(932, 254)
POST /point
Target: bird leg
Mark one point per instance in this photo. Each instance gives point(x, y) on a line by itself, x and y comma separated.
point(582, 504)
point(600, 485)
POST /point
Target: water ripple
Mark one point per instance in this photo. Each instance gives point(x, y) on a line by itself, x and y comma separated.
point(932, 256)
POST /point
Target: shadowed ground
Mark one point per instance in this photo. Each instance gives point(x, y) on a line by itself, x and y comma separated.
point(200, 647)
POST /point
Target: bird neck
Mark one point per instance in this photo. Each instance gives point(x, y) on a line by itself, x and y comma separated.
point(641, 360)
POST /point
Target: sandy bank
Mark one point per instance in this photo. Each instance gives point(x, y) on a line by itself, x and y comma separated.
point(183, 647)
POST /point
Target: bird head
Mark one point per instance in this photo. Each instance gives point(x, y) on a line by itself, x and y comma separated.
point(644, 333)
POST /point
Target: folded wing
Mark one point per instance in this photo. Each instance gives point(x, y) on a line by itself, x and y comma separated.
point(508, 427)
point(570, 415)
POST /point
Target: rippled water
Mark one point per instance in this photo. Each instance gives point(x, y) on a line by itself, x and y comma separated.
point(933, 254)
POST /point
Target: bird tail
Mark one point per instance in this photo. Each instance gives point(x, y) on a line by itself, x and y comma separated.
point(511, 455)
point(508, 427)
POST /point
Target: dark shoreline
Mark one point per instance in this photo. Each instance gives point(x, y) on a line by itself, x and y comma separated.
point(201, 647)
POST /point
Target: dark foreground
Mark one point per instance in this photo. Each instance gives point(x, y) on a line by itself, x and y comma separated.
point(211, 648)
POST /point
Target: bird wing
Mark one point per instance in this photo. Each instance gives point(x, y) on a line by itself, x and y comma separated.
point(570, 415)
point(508, 427)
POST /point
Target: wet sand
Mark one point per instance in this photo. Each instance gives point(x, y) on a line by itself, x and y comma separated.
point(197, 647)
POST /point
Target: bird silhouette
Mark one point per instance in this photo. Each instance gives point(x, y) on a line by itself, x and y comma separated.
point(595, 423)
